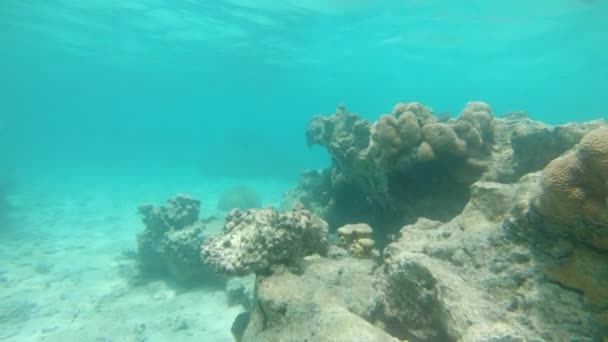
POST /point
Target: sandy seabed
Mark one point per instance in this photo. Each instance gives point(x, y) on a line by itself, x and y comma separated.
point(67, 255)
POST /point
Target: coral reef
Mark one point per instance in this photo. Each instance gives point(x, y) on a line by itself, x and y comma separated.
point(506, 268)
point(493, 273)
point(499, 261)
point(169, 246)
point(254, 240)
point(239, 197)
point(410, 164)
point(403, 165)
point(504, 233)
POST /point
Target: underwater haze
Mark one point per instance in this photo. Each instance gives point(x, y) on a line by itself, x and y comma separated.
point(230, 85)
point(107, 104)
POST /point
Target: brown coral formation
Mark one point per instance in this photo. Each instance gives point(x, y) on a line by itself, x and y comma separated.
point(575, 189)
point(402, 166)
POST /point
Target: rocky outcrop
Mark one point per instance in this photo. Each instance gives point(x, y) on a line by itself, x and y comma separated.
point(332, 300)
point(523, 259)
point(254, 240)
point(169, 247)
point(493, 273)
point(496, 272)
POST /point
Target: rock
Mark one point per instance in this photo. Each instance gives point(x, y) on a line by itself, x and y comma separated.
point(240, 325)
point(330, 301)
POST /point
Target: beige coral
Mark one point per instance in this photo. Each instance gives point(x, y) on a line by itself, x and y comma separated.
point(443, 139)
point(576, 184)
point(386, 134)
point(575, 190)
point(357, 239)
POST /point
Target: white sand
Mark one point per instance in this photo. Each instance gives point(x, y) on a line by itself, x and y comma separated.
point(64, 275)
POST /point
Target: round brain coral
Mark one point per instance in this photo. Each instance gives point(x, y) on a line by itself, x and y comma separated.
point(575, 187)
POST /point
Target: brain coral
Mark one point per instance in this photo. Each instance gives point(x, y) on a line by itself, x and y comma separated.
point(575, 188)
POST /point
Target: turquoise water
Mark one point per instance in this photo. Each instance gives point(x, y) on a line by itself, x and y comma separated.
point(231, 84)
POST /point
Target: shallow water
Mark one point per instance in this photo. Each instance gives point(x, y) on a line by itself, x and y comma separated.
point(105, 105)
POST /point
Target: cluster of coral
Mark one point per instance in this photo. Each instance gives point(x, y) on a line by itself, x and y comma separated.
point(357, 240)
point(402, 165)
point(411, 164)
point(169, 246)
point(524, 260)
point(488, 230)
